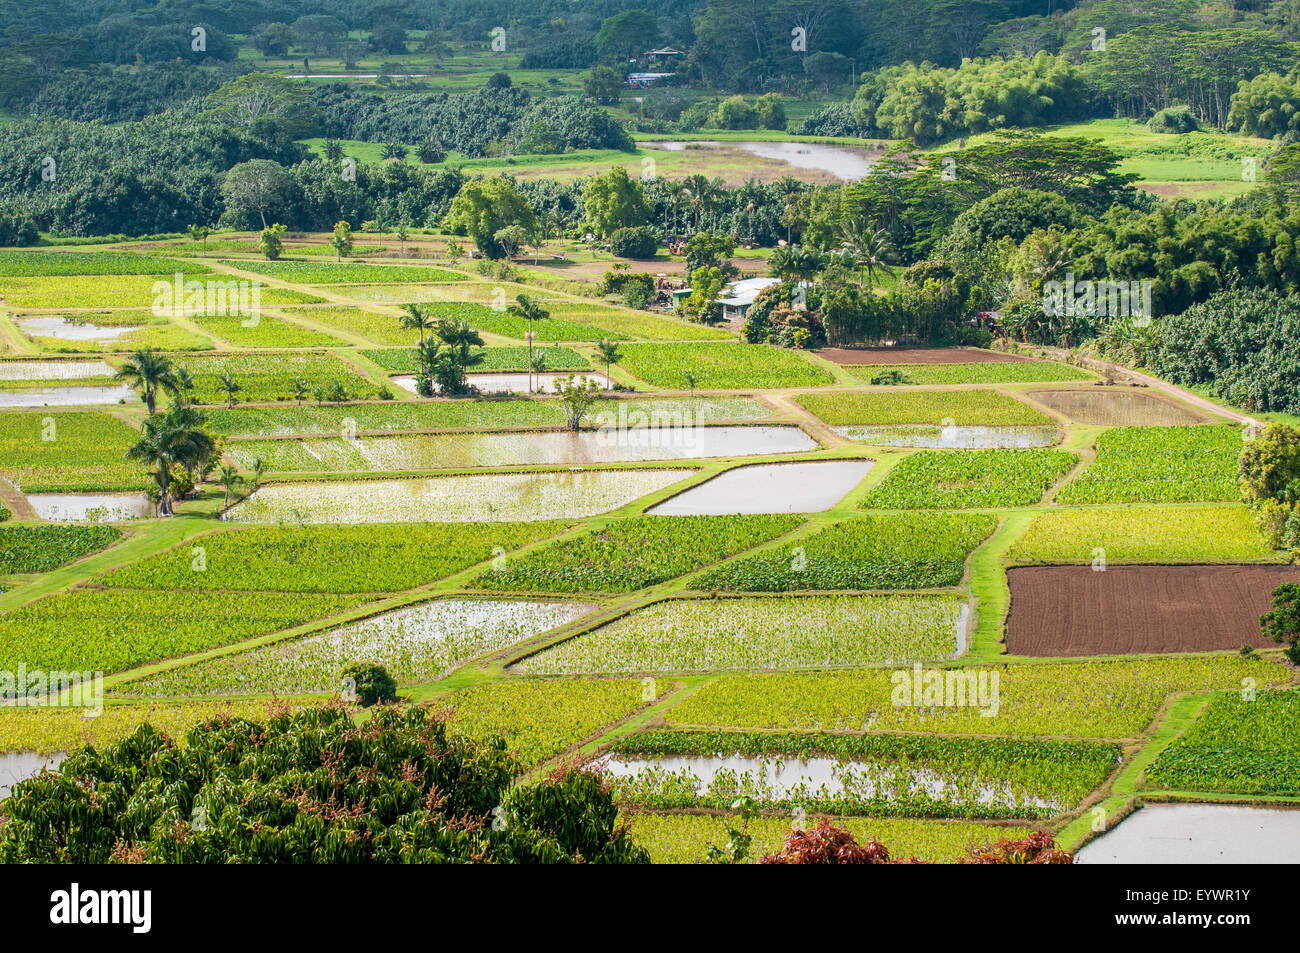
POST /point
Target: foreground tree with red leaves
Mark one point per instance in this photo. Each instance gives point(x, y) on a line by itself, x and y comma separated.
point(1038, 848)
point(825, 843)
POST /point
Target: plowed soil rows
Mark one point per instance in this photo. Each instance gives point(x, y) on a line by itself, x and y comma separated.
point(1076, 610)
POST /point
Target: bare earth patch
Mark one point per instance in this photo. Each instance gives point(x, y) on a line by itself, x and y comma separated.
point(1075, 610)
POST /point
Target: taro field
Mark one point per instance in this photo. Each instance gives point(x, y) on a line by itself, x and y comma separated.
point(822, 646)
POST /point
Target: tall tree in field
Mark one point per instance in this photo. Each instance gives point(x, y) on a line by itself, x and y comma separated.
point(267, 104)
point(148, 371)
point(485, 206)
point(176, 438)
point(530, 311)
point(627, 35)
point(613, 200)
point(258, 185)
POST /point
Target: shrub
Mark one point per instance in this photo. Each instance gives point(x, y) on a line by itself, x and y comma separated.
point(310, 787)
point(372, 683)
point(639, 242)
point(1174, 119)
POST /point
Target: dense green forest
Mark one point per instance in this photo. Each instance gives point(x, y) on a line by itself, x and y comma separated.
point(139, 120)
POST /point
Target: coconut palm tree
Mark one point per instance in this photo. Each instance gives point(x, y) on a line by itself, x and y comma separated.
point(608, 352)
point(229, 479)
point(702, 191)
point(229, 386)
point(869, 246)
point(530, 311)
point(148, 371)
point(168, 440)
point(417, 318)
point(449, 357)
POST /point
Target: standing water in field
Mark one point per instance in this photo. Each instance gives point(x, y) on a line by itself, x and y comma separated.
point(18, 766)
point(513, 383)
point(91, 507)
point(74, 396)
point(845, 164)
point(415, 643)
point(769, 488)
point(482, 497)
point(461, 450)
point(781, 778)
point(1199, 834)
point(52, 370)
point(65, 330)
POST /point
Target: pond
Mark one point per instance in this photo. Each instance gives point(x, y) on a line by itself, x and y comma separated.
point(845, 164)
point(512, 383)
point(74, 396)
point(1199, 834)
point(769, 488)
point(952, 438)
point(486, 497)
point(18, 766)
point(66, 330)
point(463, 451)
point(91, 507)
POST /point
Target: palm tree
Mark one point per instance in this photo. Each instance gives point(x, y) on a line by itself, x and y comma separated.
point(530, 311)
point(147, 371)
point(227, 384)
point(609, 353)
point(176, 438)
point(450, 357)
point(869, 247)
point(678, 195)
point(417, 318)
point(184, 383)
point(702, 191)
point(229, 479)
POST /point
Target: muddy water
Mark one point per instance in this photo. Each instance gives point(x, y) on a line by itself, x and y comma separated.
point(91, 507)
point(842, 163)
point(952, 438)
point(1114, 408)
point(770, 488)
point(512, 383)
point(65, 396)
point(65, 330)
point(1199, 834)
point(18, 766)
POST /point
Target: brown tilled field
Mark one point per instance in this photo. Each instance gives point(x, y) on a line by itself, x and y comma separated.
point(1073, 610)
point(916, 355)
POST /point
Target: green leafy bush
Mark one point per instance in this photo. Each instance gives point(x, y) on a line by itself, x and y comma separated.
point(310, 787)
